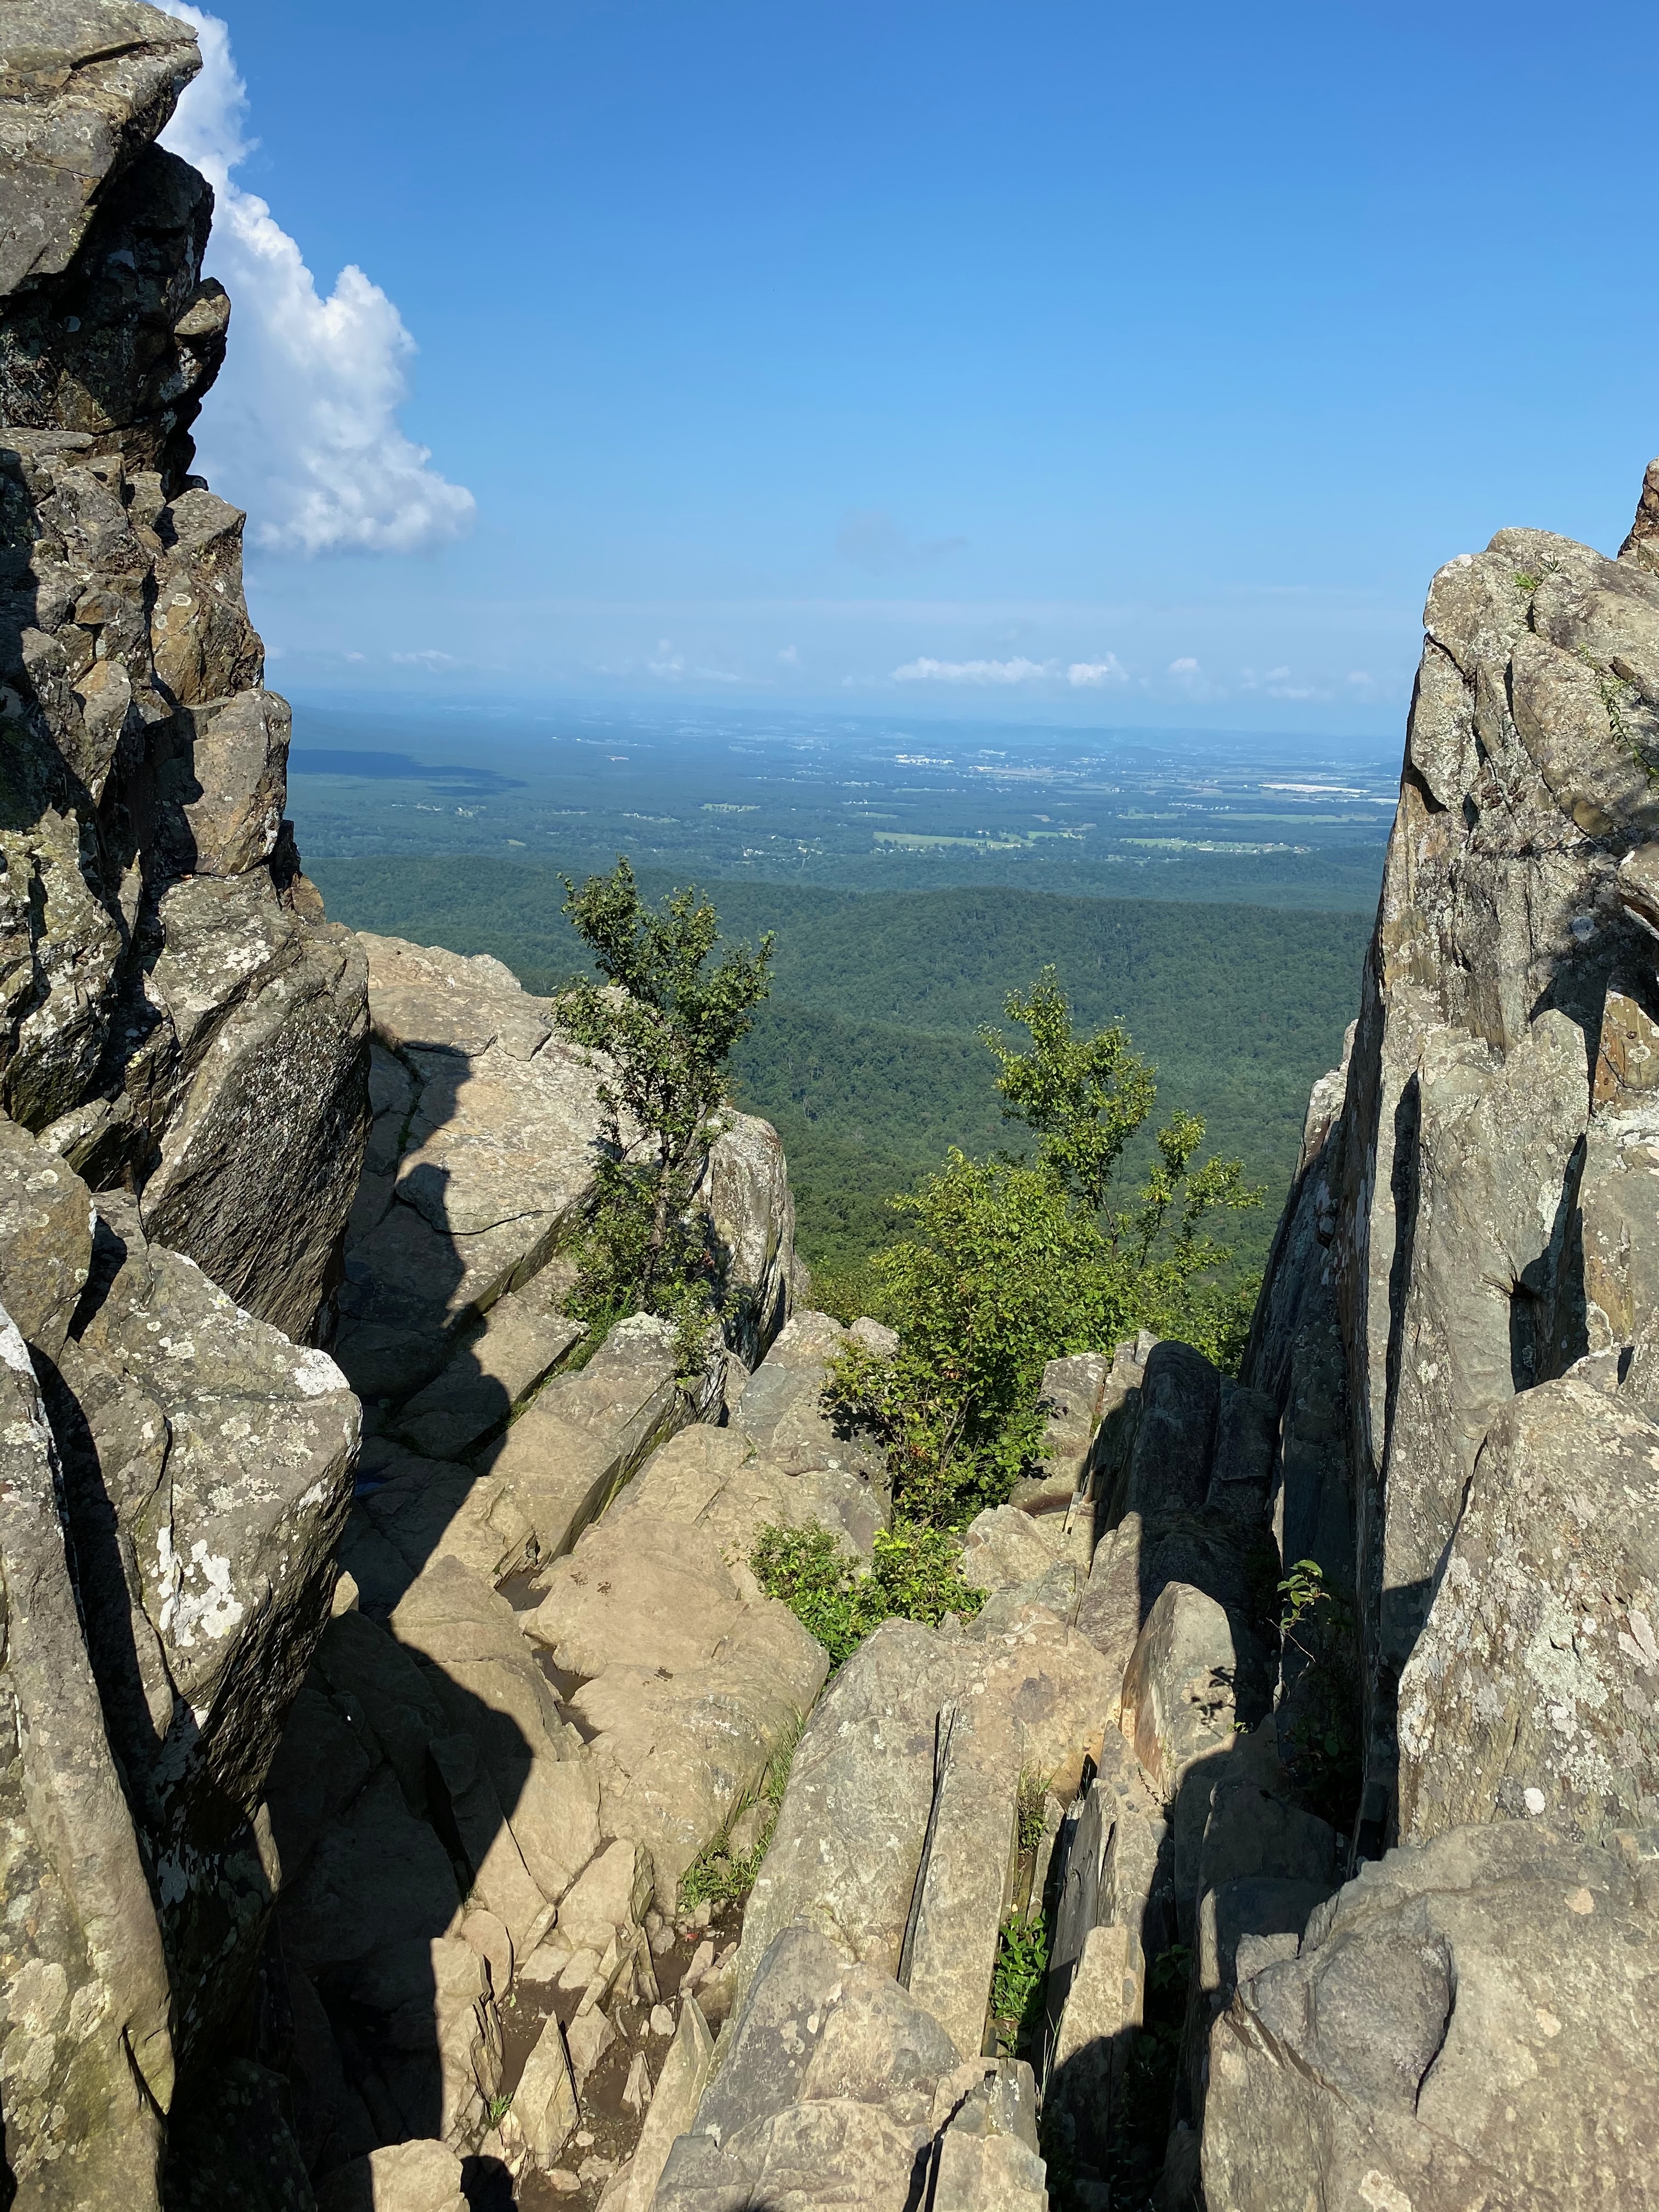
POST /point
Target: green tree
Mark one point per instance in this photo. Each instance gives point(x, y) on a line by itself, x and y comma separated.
point(1010, 1264)
point(665, 1019)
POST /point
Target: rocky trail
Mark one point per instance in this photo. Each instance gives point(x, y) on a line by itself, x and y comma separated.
point(409, 1796)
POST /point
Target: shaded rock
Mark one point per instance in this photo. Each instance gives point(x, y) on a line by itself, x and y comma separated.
point(208, 1471)
point(87, 88)
point(492, 1159)
point(518, 1343)
point(467, 1813)
point(1174, 1441)
point(259, 1154)
point(376, 1874)
point(87, 2064)
point(1534, 1686)
point(427, 2037)
point(1464, 2017)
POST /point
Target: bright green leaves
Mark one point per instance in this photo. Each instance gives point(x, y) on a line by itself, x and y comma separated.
point(1083, 1097)
point(1010, 1264)
point(665, 1020)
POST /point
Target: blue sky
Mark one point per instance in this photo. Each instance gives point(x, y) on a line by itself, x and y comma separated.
point(1062, 362)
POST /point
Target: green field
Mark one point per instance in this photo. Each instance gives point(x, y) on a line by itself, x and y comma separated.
point(866, 1056)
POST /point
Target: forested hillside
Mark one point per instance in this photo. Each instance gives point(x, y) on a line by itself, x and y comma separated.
point(866, 1057)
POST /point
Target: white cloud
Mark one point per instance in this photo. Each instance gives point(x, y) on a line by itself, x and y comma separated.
point(1185, 668)
point(1082, 673)
point(789, 656)
point(302, 428)
point(1358, 677)
point(429, 658)
point(666, 661)
point(1017, 671)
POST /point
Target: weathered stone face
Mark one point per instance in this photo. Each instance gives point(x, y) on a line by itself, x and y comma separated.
point(87, 2059)
point(85, 85)
point(1467, 2017)
point(139, 755)
point(1534, 1686)
point(1489, 1225)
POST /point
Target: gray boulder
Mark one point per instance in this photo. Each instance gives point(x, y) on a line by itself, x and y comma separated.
point(87, 87)
point(207, 1470)
point(1466, 2021)
point(825, 2094)
point(1535, 1688)
point(87, 2064)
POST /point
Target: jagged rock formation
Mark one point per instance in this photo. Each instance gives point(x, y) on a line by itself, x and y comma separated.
point(175, 1017)
point(183, 1056)
point(342, 1822)
point(1394, 1588)
point(550, 1680)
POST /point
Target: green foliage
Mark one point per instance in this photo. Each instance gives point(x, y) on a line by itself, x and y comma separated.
point(1010, 1265)
point(497, 2108)
point(1032, 1808)
point(1016, 1981)
point(1319, 1718)
point(1083, 1097)
point(664, 1029)
point(914, 1573)
point(1302, 1592)
point(1616, 695)
point(847, 1288)
point(718, 1874)
point(864, 1056)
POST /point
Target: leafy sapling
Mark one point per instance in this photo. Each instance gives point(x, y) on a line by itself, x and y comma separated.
point(665, 1018)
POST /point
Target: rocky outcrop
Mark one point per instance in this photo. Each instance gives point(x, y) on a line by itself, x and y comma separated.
point(1468, 2020)
point(175, 1016)
point(183, 1056)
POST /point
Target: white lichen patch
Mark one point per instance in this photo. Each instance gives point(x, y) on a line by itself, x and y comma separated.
point(213, 1607)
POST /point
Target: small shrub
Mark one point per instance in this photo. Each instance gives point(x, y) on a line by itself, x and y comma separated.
point(660, 1028)
point(915, 1574)
point(1017, 1984)
point(1009, 1263)
point(716, 1874)
point(1033, 1806)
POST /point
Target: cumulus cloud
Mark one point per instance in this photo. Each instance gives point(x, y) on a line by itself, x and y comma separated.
point(1083, 674)
point(302, 429)
point(1017, 671)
